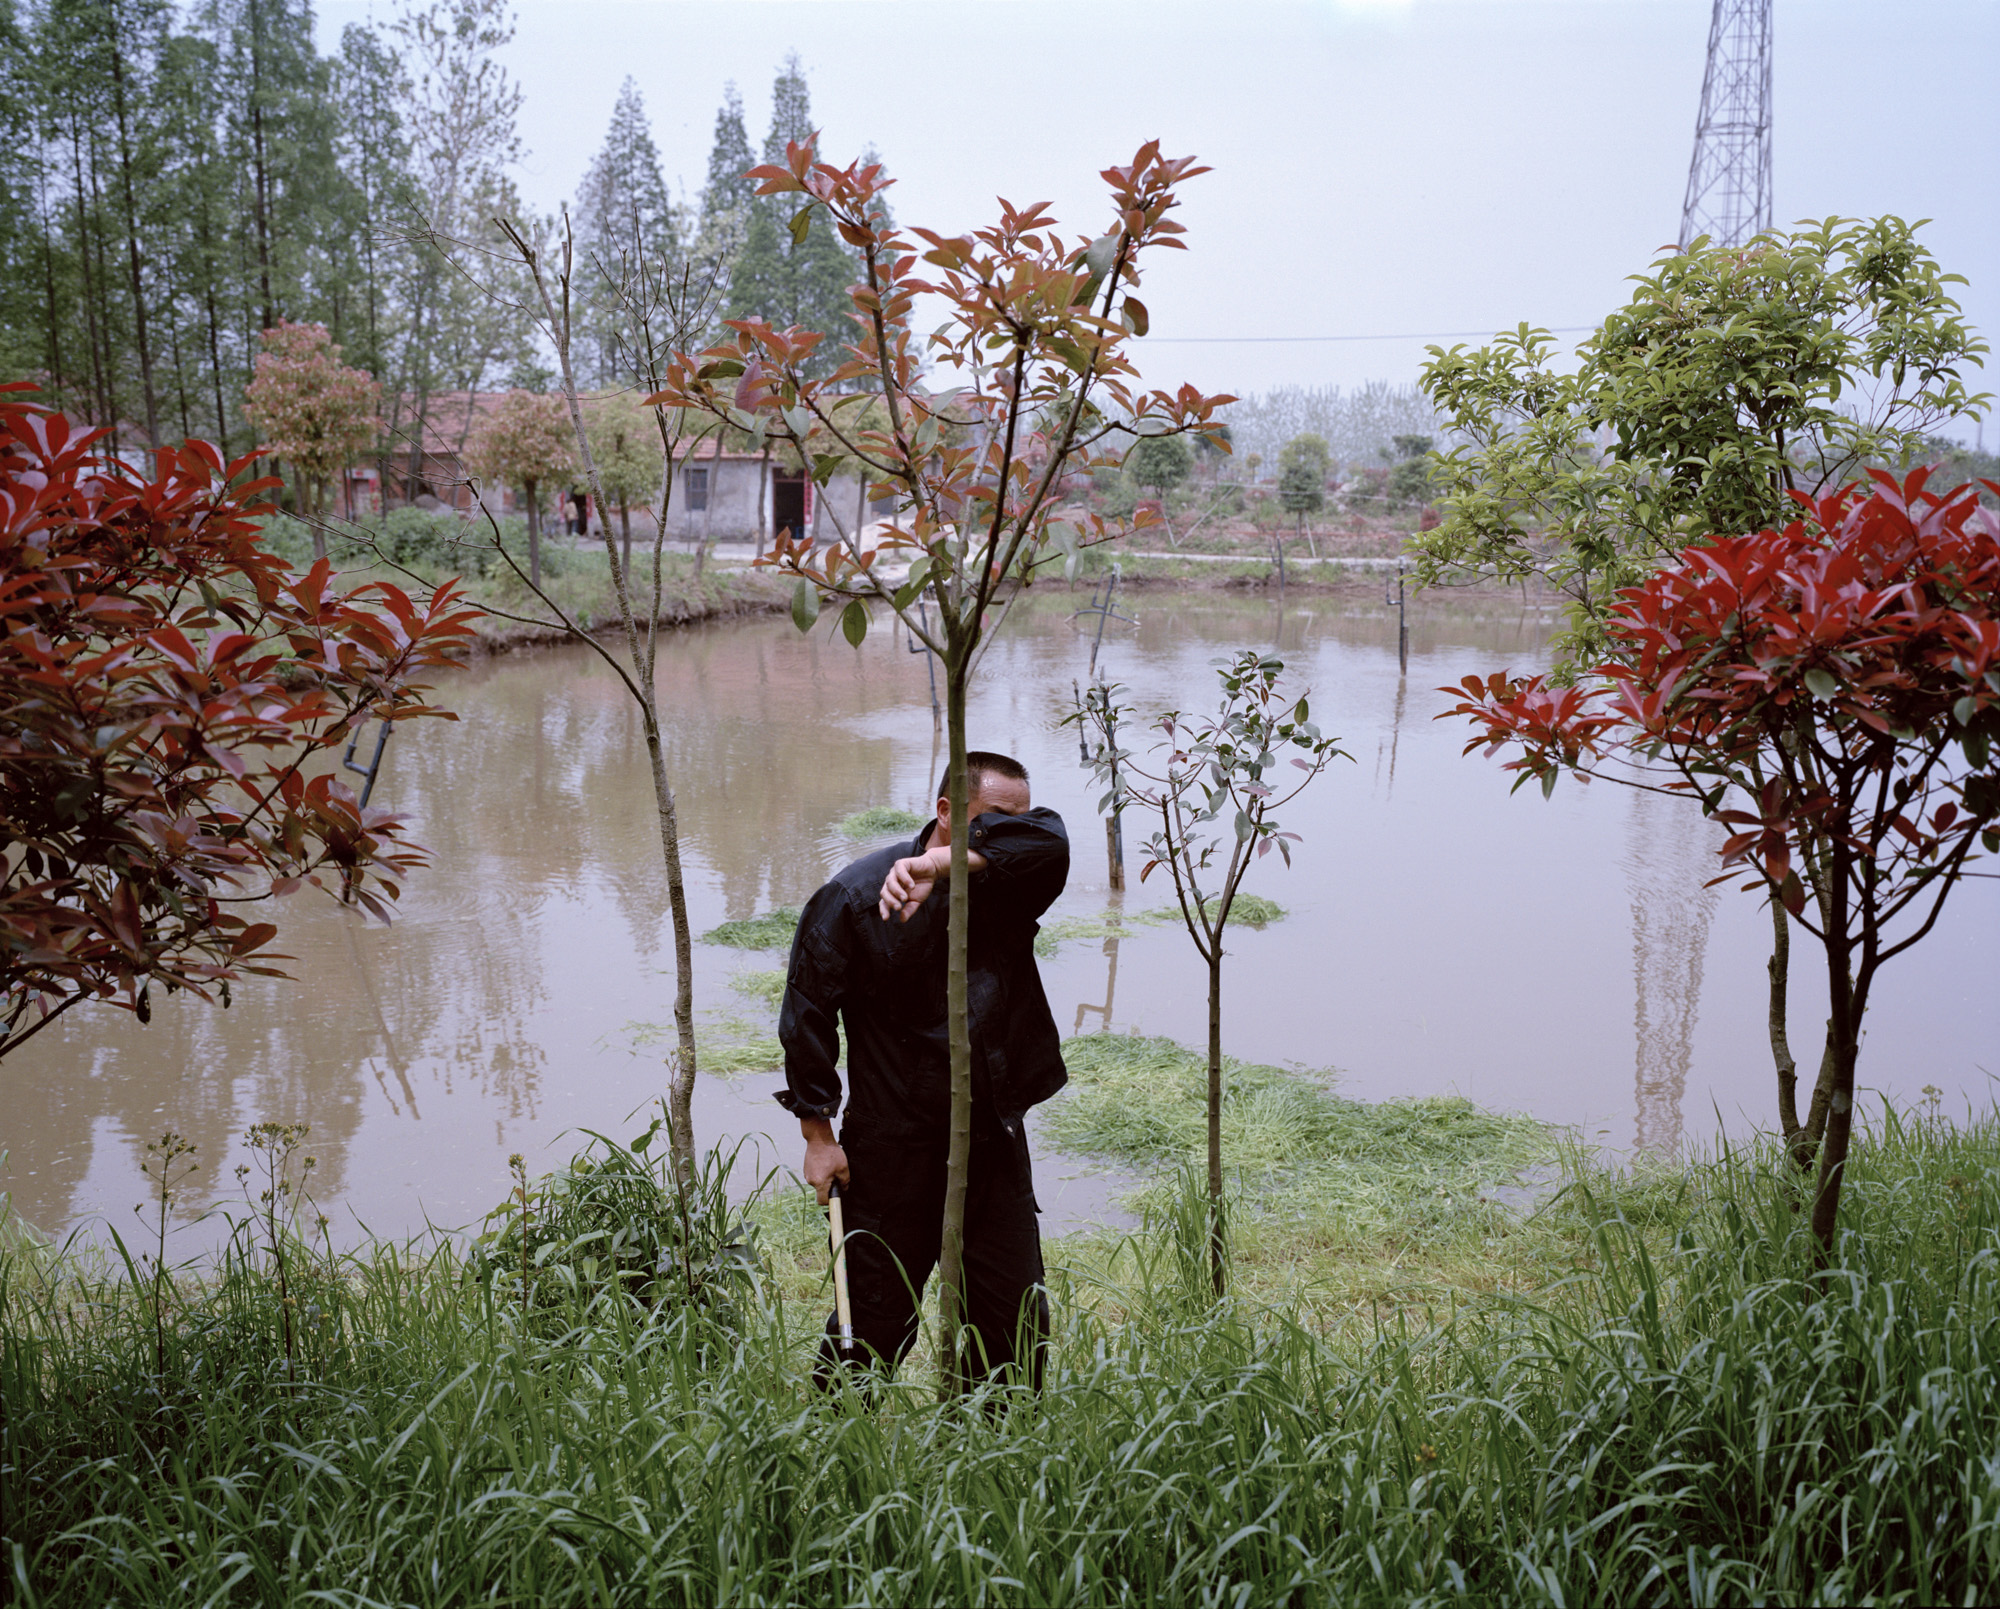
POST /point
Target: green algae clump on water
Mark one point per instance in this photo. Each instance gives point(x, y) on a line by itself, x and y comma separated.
point(879, 821)
point(771, 931)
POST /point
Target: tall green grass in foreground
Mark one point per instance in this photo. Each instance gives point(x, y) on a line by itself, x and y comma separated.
point(1685, 1410)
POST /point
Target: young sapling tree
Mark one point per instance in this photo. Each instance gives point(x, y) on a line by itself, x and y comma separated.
point(312, 410)
point(1163, 463)
point(1303, 465)
point(1215, 784)
point(526, 442)
point(1733, 379)
point(1032, 348)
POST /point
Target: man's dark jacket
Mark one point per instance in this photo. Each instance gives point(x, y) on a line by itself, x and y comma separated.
point(887, 980)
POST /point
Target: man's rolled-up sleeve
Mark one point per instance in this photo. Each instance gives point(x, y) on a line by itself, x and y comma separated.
point(809, 1021)
point(1027, 860)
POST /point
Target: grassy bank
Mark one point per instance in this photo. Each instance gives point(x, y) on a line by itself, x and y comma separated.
point(412, 548)
point(1666, 1402)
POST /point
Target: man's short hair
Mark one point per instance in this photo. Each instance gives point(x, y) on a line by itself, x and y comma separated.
point(979, 765)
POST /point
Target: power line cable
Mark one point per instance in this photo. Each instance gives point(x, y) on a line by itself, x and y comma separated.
point(1296, 340)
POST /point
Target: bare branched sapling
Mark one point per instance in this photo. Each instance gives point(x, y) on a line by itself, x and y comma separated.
point(664, 307)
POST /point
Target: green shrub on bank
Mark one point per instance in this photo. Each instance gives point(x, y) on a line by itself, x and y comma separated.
point(611, 1224)
point(1698, 1413)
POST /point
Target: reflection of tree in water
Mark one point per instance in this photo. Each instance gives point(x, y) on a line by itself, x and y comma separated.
point(1672, 855)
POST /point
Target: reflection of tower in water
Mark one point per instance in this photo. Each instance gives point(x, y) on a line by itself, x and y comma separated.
point(1670, 857)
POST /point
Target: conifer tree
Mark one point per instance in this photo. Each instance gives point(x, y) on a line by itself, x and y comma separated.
point(623, 214)
point(792, 270)
point(727, 198)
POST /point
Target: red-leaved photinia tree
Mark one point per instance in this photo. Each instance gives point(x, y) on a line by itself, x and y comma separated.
point(169, 692)
point(1029, 387)
point(526, 442)
point(1830, 690)
point(312, 409)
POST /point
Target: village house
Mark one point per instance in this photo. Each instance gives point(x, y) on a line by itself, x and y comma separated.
point(719, 495)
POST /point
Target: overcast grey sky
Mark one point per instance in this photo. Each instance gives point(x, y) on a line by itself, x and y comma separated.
point(1382, 167)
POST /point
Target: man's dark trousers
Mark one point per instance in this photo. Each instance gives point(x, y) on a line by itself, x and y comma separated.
point(893, 1209)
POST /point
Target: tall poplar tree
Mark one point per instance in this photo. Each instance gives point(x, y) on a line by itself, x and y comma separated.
point(460, 110)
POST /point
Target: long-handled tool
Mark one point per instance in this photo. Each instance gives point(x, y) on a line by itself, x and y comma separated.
point(842, 1313)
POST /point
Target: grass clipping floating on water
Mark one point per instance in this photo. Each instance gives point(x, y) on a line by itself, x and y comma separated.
point(767, 986)
point(1293, 1145)
point(1248, 910)
point(880, 821)
point(771, 931)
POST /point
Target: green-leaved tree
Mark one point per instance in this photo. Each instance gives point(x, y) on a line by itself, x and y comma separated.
point(1734, 377)
point(1161, 463)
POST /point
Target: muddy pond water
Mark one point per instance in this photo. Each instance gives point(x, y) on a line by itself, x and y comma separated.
point(1556, 957)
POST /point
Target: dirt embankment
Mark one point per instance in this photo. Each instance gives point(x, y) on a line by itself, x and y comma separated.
point(514, 623)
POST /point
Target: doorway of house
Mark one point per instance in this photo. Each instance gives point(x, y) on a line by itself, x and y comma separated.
point(789, 503)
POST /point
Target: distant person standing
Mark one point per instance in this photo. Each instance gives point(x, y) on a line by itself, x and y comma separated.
point(579, 502)
point(870, 955)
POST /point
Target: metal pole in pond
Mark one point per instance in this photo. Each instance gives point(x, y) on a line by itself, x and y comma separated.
point(1114, 829)
point(1402, 620)
point(368, 773)
point(373, 768)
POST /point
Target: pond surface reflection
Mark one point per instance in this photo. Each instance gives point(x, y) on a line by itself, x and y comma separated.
point(1559, 957)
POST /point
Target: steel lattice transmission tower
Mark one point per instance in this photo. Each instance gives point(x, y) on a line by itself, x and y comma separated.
point(1729, 180)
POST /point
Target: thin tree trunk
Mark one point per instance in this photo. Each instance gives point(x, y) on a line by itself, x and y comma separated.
point(132, 243)
point(1840, 1114)
point(1846, 1002)
point(763, 485)
point(712, 485)
point(1215, 1225)
point(215, 366)
point(1779, 968)
point(952, 1371)
point(700, 541)
point(103, 405)
point(49, 278)
point(180, 367)
point(1822, 1096)
point(625, 531)
point(263, 182)
point(680, 1088)
point(534, 536)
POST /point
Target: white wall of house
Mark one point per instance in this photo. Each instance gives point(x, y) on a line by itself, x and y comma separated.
point(723, 507)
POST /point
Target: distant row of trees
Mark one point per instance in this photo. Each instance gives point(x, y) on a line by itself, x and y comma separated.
point(175, 182)
point(1359, 426)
